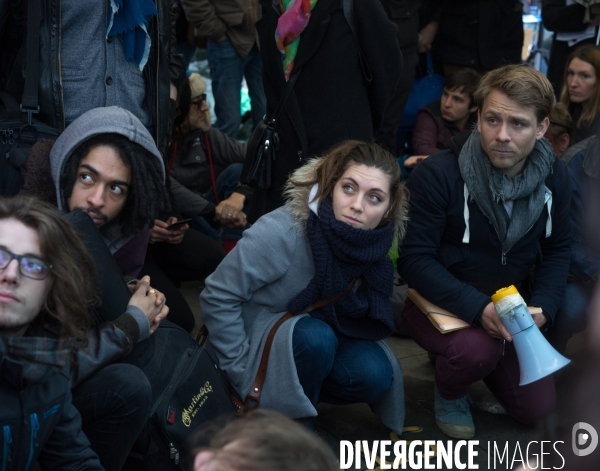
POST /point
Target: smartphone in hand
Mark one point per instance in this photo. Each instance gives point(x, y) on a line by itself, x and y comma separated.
point(178, 224)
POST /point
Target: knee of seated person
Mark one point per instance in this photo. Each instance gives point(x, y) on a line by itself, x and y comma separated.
point(478, 352)
point(532, 413)
point(81, 222)
point(571, 315)
point(375, 379)
point(314, 338)
point(132, 385)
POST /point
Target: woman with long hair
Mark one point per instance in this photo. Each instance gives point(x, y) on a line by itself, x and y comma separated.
point(330, 243)
point(581, 91)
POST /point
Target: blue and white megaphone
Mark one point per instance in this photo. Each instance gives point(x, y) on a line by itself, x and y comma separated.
point(537, 358)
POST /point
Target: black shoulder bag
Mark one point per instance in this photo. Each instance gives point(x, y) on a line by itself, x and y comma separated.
point(264, 143)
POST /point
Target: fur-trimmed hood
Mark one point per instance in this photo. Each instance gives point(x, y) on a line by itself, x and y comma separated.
point(297, 197)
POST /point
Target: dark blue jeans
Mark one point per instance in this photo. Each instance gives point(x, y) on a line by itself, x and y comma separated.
point(227, 70)
point(226, 184)
point(337, 369)
point(114, 404)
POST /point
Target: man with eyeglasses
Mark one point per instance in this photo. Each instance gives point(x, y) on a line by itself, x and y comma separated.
point(46, 282)
point(205, 166)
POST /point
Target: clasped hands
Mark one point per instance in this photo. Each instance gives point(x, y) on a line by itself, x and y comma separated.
point(150, 301)
point(229, 212)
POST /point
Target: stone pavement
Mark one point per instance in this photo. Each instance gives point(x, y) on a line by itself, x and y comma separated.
point(493, 427)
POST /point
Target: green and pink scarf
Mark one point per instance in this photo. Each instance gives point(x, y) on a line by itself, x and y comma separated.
point(290, 26)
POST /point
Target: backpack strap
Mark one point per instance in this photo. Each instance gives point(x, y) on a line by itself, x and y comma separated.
point(29, 103)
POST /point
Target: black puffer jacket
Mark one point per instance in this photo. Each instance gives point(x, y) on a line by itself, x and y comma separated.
point(38, 419)
point(164, 64)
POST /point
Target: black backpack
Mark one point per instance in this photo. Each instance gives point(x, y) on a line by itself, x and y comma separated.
point(188, 389)
point(19, 130)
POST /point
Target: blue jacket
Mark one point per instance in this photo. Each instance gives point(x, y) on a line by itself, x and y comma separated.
point(461, 277)
point(37, 417)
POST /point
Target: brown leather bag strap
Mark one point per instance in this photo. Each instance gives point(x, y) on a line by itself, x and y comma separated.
point(253, 398)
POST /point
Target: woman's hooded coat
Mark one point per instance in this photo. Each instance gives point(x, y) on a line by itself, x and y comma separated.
point(250, 291)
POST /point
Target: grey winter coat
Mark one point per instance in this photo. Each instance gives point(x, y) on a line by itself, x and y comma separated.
point(250, 291)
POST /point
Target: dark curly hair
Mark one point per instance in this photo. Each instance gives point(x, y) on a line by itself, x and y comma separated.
point(147, 197)
point(73, 269)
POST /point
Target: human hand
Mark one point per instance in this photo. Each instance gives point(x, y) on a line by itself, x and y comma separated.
point(222, 38)
point(240, 221)
point(227, 211)
point(538, 316)
point(160, 233)
point(173, 91)
point(413, 160)
point(150, 301)
point(427, 35)
point(492, 324)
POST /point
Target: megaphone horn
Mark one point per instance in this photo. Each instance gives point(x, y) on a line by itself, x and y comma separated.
point(537, 358)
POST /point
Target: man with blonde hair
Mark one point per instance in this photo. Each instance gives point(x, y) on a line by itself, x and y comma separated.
point(484, 214)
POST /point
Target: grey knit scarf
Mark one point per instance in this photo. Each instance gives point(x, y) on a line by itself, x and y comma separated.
point(490, 188)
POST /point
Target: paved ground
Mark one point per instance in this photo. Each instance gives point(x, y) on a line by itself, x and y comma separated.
point(357, 422)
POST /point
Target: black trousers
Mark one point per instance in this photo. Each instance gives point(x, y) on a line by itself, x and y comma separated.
point(114, 402)
point(194, 258)
point(114, 405)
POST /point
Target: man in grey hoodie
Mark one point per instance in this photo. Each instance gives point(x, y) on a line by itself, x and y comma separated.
point(107, 165)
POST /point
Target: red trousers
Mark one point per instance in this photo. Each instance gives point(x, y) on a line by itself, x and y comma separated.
point(469, 355)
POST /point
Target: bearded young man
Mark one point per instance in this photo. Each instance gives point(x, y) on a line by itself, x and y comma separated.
point(484, 214)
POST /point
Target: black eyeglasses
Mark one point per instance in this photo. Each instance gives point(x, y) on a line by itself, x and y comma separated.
point(29, 265)
point(202, 99)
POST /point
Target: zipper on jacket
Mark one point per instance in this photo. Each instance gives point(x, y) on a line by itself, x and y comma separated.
point(35, 426)
point(7, 442)
point(504, 253)
point(173, 453)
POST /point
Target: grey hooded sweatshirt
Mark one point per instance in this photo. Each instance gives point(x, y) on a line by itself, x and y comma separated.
point(92, 123)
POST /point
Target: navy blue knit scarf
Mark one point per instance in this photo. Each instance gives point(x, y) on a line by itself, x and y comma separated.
point(340, 253)
point(130, 19)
